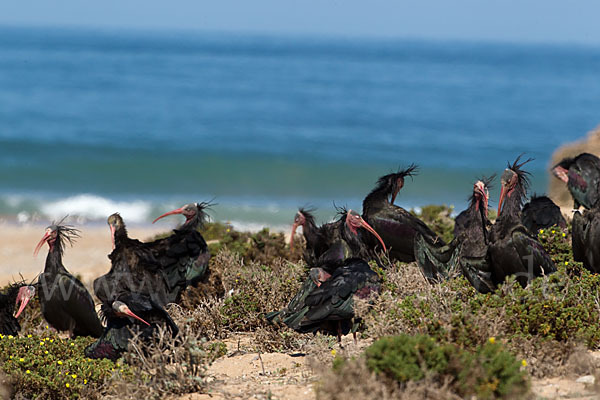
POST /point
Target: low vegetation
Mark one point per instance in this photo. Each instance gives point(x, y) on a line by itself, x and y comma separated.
point(436, 341)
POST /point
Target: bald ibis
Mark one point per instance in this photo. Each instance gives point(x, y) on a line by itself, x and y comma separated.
point(134, 267)
point(317, 238)
point(328, 307)
point(13, 296)
point(65, 302)
point(128, 314)
point(347, 241)
point(161, 269)
point(586, 238)
point(349, 238)
point(396, 226)
point(582, 176)
point(513, 251)
point(467, 253)
point(183, 256)
point(540, 213)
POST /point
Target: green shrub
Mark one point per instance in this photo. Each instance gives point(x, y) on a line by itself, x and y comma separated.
point(55, 368)
point(488, 372)
point(438, 218)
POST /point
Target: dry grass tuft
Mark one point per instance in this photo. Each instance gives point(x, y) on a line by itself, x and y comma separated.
point(165, 366)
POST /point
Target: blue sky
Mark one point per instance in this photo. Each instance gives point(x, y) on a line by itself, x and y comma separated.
point(504, 20)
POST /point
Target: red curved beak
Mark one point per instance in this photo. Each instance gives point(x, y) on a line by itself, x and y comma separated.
point(41, 243)
point(502, 195)
point(368, 227)
point(112, 236)
point(23, 298)
point(125, 310)
point(176, 211)
point(294, 227)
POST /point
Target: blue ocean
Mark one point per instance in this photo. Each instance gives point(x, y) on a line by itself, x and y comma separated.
point(93, 122)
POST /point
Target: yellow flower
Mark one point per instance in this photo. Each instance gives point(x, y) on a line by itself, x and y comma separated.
point(29, 336)
point(74, 376)
point(59, 362)
point(564, 234)
point(28, 372)
point(524, 362)
point(333, 352)
point(21, 359)
point(553, 231)
point(72, 344)
point(10, 336)
point(46, 352)
point(42, 343)
point(566, 263)
point(85, 381)
point(67, 385)
point(541, 231)
point(492, 340)
point(10, 357)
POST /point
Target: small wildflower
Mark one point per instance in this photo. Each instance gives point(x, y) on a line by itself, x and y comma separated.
point(492, 340)
point(85, 381)
point(553, 231)
point(564, 234)
point(524, 362)
point(46, 326)
point(10, 336)
point(67, 385)
point(333, 352)
point(46, 352)
point(28, 372)
point(59, 362)
point(10, 357)
point(74, 376)
point(72, 344)
point(566, 263)
point(42, 343)
point(29, 336)
point(541, 231)
point(21, 360)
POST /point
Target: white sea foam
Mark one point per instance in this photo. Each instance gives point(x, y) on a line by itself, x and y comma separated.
point(96, 207)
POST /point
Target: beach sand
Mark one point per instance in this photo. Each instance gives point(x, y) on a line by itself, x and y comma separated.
point(87, 258)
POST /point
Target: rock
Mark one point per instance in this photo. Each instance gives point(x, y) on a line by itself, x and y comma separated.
point(587, 379)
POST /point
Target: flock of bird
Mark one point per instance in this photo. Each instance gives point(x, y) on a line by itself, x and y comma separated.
point(146, 276)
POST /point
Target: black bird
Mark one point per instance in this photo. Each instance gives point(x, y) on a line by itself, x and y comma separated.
point(160, 269)
point(15, 295)
point(348, 239)
point(347, 242)
point(183, 256)
point(467, 253)
point(586, 238)
point(328, 307)
point(134, 268)
point(129, 314)
point(65, 302)
point(317, 238)
point(582, 176)
point(541, 213)
point(512, 250)
point(396, 226)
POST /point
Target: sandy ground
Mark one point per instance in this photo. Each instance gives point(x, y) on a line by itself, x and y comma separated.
point(87, 258)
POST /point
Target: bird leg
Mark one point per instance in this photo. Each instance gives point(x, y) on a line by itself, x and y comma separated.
point(354, 336)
